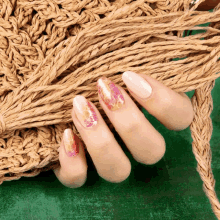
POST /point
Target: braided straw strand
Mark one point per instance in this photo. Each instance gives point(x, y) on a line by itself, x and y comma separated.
point(201, 131)
point(26, 96)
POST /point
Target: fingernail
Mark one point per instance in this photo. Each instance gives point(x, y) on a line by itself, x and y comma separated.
point(110, 94)
point(71, 142)
point(84, 112)
point(137, 84)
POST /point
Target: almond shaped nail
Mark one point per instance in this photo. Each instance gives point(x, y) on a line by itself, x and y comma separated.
point(84, 112)
point(71, 142)
point(110, 94)
point(137, 84)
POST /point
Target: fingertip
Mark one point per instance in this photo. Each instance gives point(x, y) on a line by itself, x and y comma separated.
point(73, 166)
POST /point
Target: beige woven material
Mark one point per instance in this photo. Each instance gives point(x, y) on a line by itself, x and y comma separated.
point(53, 50)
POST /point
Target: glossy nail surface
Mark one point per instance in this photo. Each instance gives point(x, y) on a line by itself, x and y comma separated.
point(137, 84)
point(71, 142)
point(110, 94)
point(84, 112)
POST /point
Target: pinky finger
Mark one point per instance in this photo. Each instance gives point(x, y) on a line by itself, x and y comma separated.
point(73, 166)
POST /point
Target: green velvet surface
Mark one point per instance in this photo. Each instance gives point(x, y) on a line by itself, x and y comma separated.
point(170, 189)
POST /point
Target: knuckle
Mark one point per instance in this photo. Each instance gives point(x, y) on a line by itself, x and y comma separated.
point(78, 181)
point(131, 128)
point(188, 118)
point(120, 178)
point(117, 175)
point(160, 153)
point(186, 124)
point(101, 140)
point(190, 115)
point(188, 112)
point(103, 146)
point(82, 171)
point(125, 173)
point(74, 177)
point(165, 100)
point(157, 155)
point(77, 185)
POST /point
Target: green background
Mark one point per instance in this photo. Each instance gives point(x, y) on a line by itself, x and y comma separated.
point(170, 189)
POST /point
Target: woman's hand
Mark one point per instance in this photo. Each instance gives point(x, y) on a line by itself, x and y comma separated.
point(146, 144)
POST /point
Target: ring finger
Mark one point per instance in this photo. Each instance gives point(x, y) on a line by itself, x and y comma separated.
point(109, 159)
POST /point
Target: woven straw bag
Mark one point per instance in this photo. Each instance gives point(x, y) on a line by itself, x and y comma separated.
point(51, 51)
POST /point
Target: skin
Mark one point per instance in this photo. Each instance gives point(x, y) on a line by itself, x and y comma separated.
point(146, 144)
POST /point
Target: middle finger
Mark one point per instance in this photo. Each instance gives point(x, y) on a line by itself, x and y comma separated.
point(144, 142)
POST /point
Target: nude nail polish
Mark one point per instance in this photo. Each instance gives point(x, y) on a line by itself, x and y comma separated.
point(137, 84)
point(110, 94)
point(71, 142)
point(84, 112)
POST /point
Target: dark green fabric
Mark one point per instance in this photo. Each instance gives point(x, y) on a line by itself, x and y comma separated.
point(168, 190)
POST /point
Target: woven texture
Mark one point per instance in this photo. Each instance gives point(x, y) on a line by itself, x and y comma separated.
point(53, 50)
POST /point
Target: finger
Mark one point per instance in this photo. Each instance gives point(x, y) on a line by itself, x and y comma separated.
point(174, 110)
point(144, 142)
point(73, 170)
point(109, 159)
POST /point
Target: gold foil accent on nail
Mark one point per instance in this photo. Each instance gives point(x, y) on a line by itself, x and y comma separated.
point(110, 94)
point(71, 142)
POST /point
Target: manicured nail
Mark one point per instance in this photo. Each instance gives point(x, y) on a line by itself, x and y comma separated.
point(110, 94)
point(84, 112)
point(71, 142)
point(137, 84)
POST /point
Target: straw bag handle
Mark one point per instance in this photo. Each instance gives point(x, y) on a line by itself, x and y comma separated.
point(201, 132)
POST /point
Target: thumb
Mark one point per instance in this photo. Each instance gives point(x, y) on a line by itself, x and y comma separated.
point(73, 165)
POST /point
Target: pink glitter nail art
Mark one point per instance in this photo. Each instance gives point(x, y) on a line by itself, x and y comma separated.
point(110, 94)
point(71, 143)
point(91, 119)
